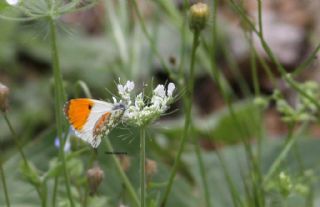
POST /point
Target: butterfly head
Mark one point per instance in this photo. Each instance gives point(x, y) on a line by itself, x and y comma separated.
point(119, 106)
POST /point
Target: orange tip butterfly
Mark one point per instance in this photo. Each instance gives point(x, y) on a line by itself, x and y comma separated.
point(92, 119)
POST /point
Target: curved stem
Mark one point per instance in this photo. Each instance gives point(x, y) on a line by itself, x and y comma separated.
point(142, 166)
point(125, 179)
point(5, 189)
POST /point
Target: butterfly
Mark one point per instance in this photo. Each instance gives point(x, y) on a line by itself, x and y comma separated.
point(92, 119)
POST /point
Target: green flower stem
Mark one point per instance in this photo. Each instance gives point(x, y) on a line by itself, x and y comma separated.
point(15, 138)
point(4, 184)
point(202, 172)
point(55, 188)
point(59, 101)
point(151, 40)
point(142, 166)
point(234, 194)
point(307, 62)
point(290, 141)
point(123, 175)
point(188, 121)
point(242, 129)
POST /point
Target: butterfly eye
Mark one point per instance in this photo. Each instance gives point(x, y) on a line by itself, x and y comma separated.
point(119, 106)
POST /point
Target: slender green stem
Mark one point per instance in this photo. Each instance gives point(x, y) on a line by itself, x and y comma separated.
point(290, 140)
point(202, 172)
point(187, 123)
point(307, 62)
point(15, 138)
point(125, 179)
point(55, 188)
point(142, 166)
point(260, 17)
point(82, 85)
point(253, 64)
point(59, 101)
point(234, 194)
point(151, 40)
point(5, 189)
point(44, 194)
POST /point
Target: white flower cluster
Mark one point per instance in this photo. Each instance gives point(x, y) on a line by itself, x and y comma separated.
point(140, 112)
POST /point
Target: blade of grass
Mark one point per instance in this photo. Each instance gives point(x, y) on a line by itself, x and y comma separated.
point(4, 184)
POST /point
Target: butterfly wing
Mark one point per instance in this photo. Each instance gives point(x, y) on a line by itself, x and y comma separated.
point(85, 115)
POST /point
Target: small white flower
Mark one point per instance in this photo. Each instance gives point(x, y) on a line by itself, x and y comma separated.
point(114, 100)
point(13, 2)
point(130, 85)
point(171, 88)
point(160, 91)
point(121, 89)
point(139, 104)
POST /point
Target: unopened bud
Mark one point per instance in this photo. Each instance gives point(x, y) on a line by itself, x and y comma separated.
point(151, 167)
point(199, 14)
point(125, 162)
point(95, 176)
point(172, 60)
point(4, 94)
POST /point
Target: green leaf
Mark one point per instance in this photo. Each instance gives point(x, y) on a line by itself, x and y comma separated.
point(55, 169)
point(221, 126)
point(30, 173)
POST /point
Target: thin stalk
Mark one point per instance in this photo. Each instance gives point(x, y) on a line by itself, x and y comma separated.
point(59, 101)
point(234, 194)
point(55, 188)
point(260, 17)
point(142, 166)
point(187, 122)
point(253, 64)
point(307, 62)
point(151, 40)
point(15, 138)
point(290, 140)
point(44, 194)
point(125, 179)
point(5, 189)
point(202, 172)
point(40, 196)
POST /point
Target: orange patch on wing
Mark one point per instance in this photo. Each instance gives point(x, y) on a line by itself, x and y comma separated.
point(77, 111)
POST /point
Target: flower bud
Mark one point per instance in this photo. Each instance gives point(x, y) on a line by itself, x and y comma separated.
point(151, 167)
point(199, 14)
point(285, 184)
point(125, 162)
point(4, 93)
point(95, 176)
